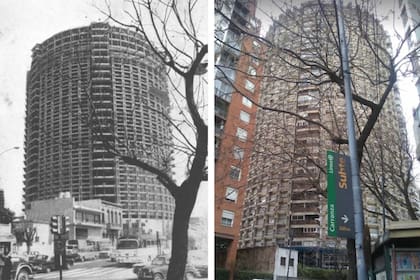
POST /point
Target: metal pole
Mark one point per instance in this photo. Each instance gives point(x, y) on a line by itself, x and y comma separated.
point(357, 194)
point(12, 148)
point(383, 204)
point(61, 266)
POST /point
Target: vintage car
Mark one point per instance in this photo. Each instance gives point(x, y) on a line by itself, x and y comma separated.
point(158, 269)
point(21, 270)
point(44, 263)
point(202, 269)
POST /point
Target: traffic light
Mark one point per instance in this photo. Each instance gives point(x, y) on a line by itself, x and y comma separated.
point(56, 224)
point(65, 224)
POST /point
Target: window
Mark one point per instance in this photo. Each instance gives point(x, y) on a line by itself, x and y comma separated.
point(303, 99)
point(244, 116)
point(227, 218)
point(231, 194)
point(235, 173)
point(256, 45)
point(282, 261)
point(246, 102)
point(252, 71)
point(255, 60)
point(249, 85)
point(238, 153)
point(297, 218)
point(291, 262)
point(242, 134)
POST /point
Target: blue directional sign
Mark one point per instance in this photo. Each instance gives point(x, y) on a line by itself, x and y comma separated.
point(340, 196)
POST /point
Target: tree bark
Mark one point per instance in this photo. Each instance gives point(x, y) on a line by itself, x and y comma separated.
point(179, 253)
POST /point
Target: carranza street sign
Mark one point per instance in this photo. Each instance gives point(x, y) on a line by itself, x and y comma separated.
point(340, 196)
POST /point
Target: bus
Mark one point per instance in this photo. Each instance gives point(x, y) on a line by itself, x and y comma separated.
point(130, 251)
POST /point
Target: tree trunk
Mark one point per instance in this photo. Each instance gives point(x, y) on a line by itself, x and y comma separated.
point(179, 253)
point(28, 248)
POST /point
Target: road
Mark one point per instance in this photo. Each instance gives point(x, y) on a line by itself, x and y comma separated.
point(92, 270)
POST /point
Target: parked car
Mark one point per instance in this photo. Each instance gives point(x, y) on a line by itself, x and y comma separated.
point(158, 269)
point(44, 263)
point(202, 269)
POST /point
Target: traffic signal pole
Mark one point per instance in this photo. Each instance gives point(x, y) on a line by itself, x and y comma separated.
point(61, 266)
point(59, 227)
point(357, 194)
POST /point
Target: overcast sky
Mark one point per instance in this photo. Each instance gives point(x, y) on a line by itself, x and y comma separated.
point(24, 23)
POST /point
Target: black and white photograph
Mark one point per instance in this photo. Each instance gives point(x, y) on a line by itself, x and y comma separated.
point(225, 139)
point(104, 142)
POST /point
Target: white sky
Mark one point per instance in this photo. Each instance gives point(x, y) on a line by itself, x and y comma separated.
point(24, 23)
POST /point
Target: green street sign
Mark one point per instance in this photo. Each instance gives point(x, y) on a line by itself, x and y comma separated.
point(340, 196)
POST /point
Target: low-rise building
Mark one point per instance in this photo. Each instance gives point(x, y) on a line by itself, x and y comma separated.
point(93, 219)
point(7, 240)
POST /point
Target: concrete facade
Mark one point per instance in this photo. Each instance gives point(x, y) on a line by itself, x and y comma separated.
point(87, 86)
point(90, 219)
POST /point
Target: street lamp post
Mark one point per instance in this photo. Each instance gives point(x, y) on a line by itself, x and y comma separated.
point(355, 179)
point(9, 149)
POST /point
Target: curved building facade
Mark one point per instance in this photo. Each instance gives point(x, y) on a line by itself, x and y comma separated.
point(87, 85)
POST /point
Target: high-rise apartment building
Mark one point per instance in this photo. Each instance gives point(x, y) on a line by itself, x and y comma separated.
point(89, 86)
point(285, 201)
point(410, 16)
point(238, 66)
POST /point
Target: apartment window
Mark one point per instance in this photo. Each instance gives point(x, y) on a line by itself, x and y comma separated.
point(303, 99)
point(255, 45)
point(246, 102)
point(235, 173)
point(252, 71)
point(244, 116)
point(249, 85)
point(238, 153)
point(227, 218)
point(254, 60)
point(242, 134)
point(231, 194)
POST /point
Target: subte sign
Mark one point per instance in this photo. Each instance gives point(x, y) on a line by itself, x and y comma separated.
point(340, 196)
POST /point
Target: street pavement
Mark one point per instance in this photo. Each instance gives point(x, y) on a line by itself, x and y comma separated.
point(92, 270)
point(113, 273)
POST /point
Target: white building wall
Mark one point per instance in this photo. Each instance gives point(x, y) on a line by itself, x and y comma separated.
point(42, 244)
point(283, 256)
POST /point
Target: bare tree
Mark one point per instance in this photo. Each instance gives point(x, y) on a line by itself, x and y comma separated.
point(174, 33)
point(25, 232)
